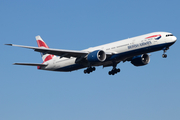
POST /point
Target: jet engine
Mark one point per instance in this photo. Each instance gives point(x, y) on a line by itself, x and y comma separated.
point(96, 56)
point(140, 60)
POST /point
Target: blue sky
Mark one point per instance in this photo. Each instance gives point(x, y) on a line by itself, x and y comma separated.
point(138, 93)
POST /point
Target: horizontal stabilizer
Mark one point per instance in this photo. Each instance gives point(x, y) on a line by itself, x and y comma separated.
point(8, 44)
point(30, 64)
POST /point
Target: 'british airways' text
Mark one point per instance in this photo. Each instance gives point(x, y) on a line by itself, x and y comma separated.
point(140, 44)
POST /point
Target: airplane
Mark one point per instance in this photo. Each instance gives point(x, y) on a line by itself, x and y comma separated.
point(134, 50)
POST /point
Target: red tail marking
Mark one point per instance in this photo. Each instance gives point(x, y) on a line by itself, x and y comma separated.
point(49, 57)
point(38, 67)
point(41, 44)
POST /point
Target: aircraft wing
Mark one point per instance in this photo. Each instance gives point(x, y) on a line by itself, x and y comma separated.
point(58, 52)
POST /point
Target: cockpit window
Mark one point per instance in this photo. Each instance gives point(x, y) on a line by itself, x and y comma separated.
point(169, 35)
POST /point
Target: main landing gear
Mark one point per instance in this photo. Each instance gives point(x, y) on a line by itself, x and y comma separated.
point(89, 70)
point(114, 70)
point(164, 50)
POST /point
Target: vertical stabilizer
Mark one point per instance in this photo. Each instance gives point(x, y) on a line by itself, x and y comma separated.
point(41, 43)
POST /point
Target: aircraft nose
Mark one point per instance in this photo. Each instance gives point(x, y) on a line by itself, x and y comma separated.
point(174, 38)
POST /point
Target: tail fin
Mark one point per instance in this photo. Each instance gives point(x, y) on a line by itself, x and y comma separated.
point(41, 43)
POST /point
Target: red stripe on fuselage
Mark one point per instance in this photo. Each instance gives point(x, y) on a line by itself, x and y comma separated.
point(153, 36)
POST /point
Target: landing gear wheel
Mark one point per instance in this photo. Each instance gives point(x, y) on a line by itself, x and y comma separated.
point(164, 55)
point(118, 70)
point(89, 70)
point(110, 73)
point(114, 71)
point(93, 68)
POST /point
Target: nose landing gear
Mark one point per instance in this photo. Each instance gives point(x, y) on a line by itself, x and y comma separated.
point(164, 55)
point(165, 50)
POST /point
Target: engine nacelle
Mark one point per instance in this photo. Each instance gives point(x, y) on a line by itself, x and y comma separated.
point(96, 56)
point(140, 60)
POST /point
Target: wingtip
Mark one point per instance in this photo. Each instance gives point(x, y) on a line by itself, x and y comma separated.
point(9, 44)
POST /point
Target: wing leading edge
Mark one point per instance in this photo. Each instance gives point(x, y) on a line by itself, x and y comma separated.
point(58, 52)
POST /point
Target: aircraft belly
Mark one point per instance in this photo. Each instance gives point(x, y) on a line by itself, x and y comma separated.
point(68, 65)
point(70, 68)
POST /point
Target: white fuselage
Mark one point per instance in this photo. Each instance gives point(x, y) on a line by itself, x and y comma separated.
point(120, 50)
